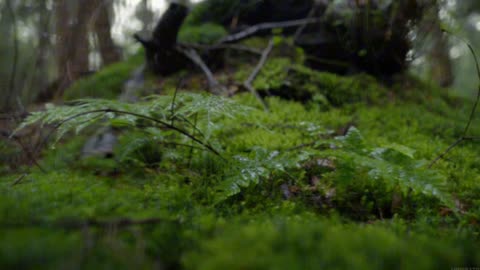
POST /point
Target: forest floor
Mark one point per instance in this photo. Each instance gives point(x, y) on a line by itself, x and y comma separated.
point(337, 174)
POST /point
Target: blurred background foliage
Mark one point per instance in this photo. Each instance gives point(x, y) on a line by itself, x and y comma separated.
point(37, 37)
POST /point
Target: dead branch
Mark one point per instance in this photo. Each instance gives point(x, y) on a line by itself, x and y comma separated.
point(214, 86)
point(248, 82)
point(265, 26)
point(310, 15)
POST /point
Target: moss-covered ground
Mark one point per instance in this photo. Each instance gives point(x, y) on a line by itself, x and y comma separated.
point(335, 176)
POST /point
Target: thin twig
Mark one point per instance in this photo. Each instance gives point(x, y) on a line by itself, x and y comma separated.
point(248, 83)
point(474, 109)
point(214, 86)
point(30, 155)
point(300, 29)
point(18, 180)
point(472, 113)
point(190, 153)
point(193, 125)
point(167, 125)
point(442, 155)
point(172, 108)
point(265, 26)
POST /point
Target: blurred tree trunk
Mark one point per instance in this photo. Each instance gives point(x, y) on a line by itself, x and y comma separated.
point(39, 81)
point(161, 55)
point(71, 41)
point(146, 16)
point(63, 41)
point(75, 22)
point(6, 53)
point(80, 47)
point(102, 26)
point(440, 64)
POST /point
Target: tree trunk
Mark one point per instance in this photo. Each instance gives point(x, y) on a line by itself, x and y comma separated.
point(108, 51)
point(71, 41)
point(40, 76)
point(440, 62)
point(161, 55)
point(438, 56)
point(80, 48)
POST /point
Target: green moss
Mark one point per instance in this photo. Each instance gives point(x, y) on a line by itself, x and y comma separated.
point(305, 242)
point(10, 155)
point(106, 83)
point(204, 34)
point(281, 77)
point(295, 192)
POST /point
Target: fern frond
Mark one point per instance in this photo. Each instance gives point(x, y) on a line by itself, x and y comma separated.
point(156, 111)
point(247, 171)
point(395, 165)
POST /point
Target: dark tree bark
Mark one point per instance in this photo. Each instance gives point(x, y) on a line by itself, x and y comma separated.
point(40, 76)
point(161, 55)
point(80, 48)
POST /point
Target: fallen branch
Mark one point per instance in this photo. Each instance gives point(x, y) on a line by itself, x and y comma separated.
point(214, 86)
point(248, 82)
point(265, 26)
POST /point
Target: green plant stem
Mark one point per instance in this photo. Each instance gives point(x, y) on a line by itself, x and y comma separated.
point(163, 123)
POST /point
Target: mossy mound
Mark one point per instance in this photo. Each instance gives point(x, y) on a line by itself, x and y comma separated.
point(306, 242)
point(282, 78)
point(208, 33)
point(106, 83)
point(336, 175)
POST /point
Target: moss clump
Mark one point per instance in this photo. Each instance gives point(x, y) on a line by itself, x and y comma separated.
point(343, 184)
point(306, 242)
point(338, 90)
point(208, 33)
point(280, 77)
point(106, 83)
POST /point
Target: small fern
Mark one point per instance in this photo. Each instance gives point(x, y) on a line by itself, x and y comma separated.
point(181, 114)
point(248, 170)
point(395, 165)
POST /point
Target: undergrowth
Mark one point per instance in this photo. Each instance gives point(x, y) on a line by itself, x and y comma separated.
point(336, 175)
